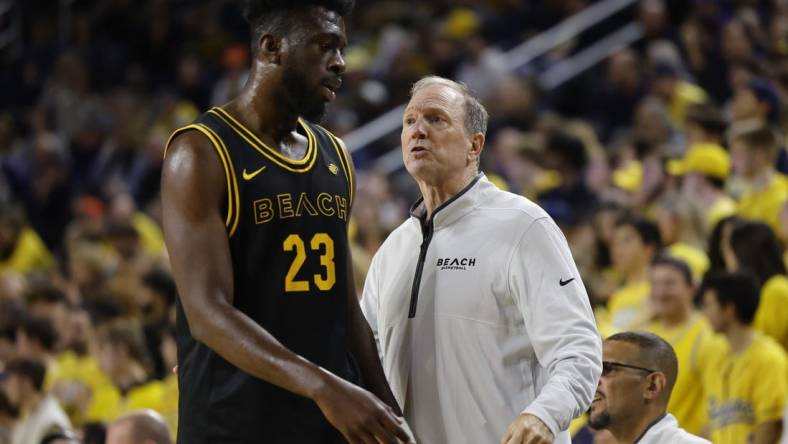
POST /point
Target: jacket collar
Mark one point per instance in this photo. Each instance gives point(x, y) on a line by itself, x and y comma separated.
point(453, 209)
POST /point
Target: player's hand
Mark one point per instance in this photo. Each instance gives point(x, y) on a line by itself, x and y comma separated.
point(528, 429)
point(359, 415)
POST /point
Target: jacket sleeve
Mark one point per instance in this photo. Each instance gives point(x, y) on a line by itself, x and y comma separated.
point(370, 303)
point(547, 287)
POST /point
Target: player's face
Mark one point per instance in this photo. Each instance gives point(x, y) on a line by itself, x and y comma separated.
point(435, 144)
point(670, 292)
point(312, 68)
point(619, 389)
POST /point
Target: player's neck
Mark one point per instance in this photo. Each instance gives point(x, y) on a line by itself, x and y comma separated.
point(261, 110)
point(739, 337)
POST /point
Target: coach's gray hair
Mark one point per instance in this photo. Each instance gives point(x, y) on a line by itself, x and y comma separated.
point(475, 114)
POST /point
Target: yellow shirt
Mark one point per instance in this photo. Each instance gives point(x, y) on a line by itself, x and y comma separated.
point(108, 402)
point(151, 236)
point(30, 254)
point(745, 390)
point(764, 205)
point(772, 315)
point(689, 340)
point(628, 306)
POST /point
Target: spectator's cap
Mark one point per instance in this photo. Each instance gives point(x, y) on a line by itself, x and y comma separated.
point(707, 158)
point(765, 92)
point(629, 177)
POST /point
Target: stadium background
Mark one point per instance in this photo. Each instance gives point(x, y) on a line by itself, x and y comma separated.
point(589, 100)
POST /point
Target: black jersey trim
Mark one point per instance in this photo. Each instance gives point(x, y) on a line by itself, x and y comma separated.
point(231, 222)
point(344, 161)
point(296, 166)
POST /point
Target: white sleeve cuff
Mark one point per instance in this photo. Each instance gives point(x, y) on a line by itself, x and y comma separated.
point(542, 414)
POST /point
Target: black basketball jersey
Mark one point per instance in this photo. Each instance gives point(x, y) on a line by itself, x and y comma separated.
point(287, 228)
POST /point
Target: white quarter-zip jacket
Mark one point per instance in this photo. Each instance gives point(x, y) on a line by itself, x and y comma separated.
point(667, 430)
point(480, 315)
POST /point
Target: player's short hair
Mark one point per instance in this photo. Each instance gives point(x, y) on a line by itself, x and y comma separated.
point(476, 115)
point(677, 264)
point(278, 16)
point(33, 369)
point(647, 230)
point(739, 289)
point(654, 353)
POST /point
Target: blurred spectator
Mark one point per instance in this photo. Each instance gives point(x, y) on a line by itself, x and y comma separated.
point(704, 123)
point(754, 248)
point(757, 99)
point(39, 413)
point(677, 94)
point(21, 249)
point(703, 170)
point(141, 427)
point(753, 154)
point(634, 243)
point(124, 359)
point(746, 402)
point(676, 320)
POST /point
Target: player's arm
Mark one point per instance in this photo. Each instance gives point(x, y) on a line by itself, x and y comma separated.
point(768, 432)
point(362, 341)
point(193, 183)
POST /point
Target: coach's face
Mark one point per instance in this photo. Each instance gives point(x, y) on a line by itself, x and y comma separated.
point(436, 147)
point(619, 390)
point(314, 63)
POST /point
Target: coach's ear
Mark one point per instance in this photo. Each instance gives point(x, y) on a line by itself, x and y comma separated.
point(477, 145)
point(269, 48)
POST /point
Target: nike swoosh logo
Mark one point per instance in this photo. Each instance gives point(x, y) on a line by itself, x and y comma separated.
point(250, 176)
point(564, 282)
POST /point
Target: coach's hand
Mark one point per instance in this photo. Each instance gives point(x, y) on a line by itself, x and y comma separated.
point(528, 429)
point(358, 414)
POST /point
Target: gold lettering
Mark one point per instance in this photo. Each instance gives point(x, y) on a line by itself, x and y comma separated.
point(303, 203)
point(341, 205)
point(262, 211)
point(323, 201)
point(285, 205)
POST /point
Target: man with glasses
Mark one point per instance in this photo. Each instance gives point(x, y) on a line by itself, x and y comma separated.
point(639, 370)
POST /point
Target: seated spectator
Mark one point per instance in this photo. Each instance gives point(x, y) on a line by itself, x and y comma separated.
point(704, 170)
point(676, 320)
point(38, 413)
point(639, 371)
point(764, 190)
point(753, 247)
point(21, 248)
point(745, 380)
point(635, 242)
point(124, 359)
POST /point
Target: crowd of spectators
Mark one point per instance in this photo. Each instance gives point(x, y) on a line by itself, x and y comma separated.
point(671, 149)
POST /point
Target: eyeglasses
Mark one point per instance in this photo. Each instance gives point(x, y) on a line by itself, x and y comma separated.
point(608, 367)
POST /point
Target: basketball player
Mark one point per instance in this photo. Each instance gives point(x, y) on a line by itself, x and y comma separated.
point(256, 201)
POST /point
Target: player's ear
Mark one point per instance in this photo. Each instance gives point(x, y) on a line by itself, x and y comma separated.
point(269, 48)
